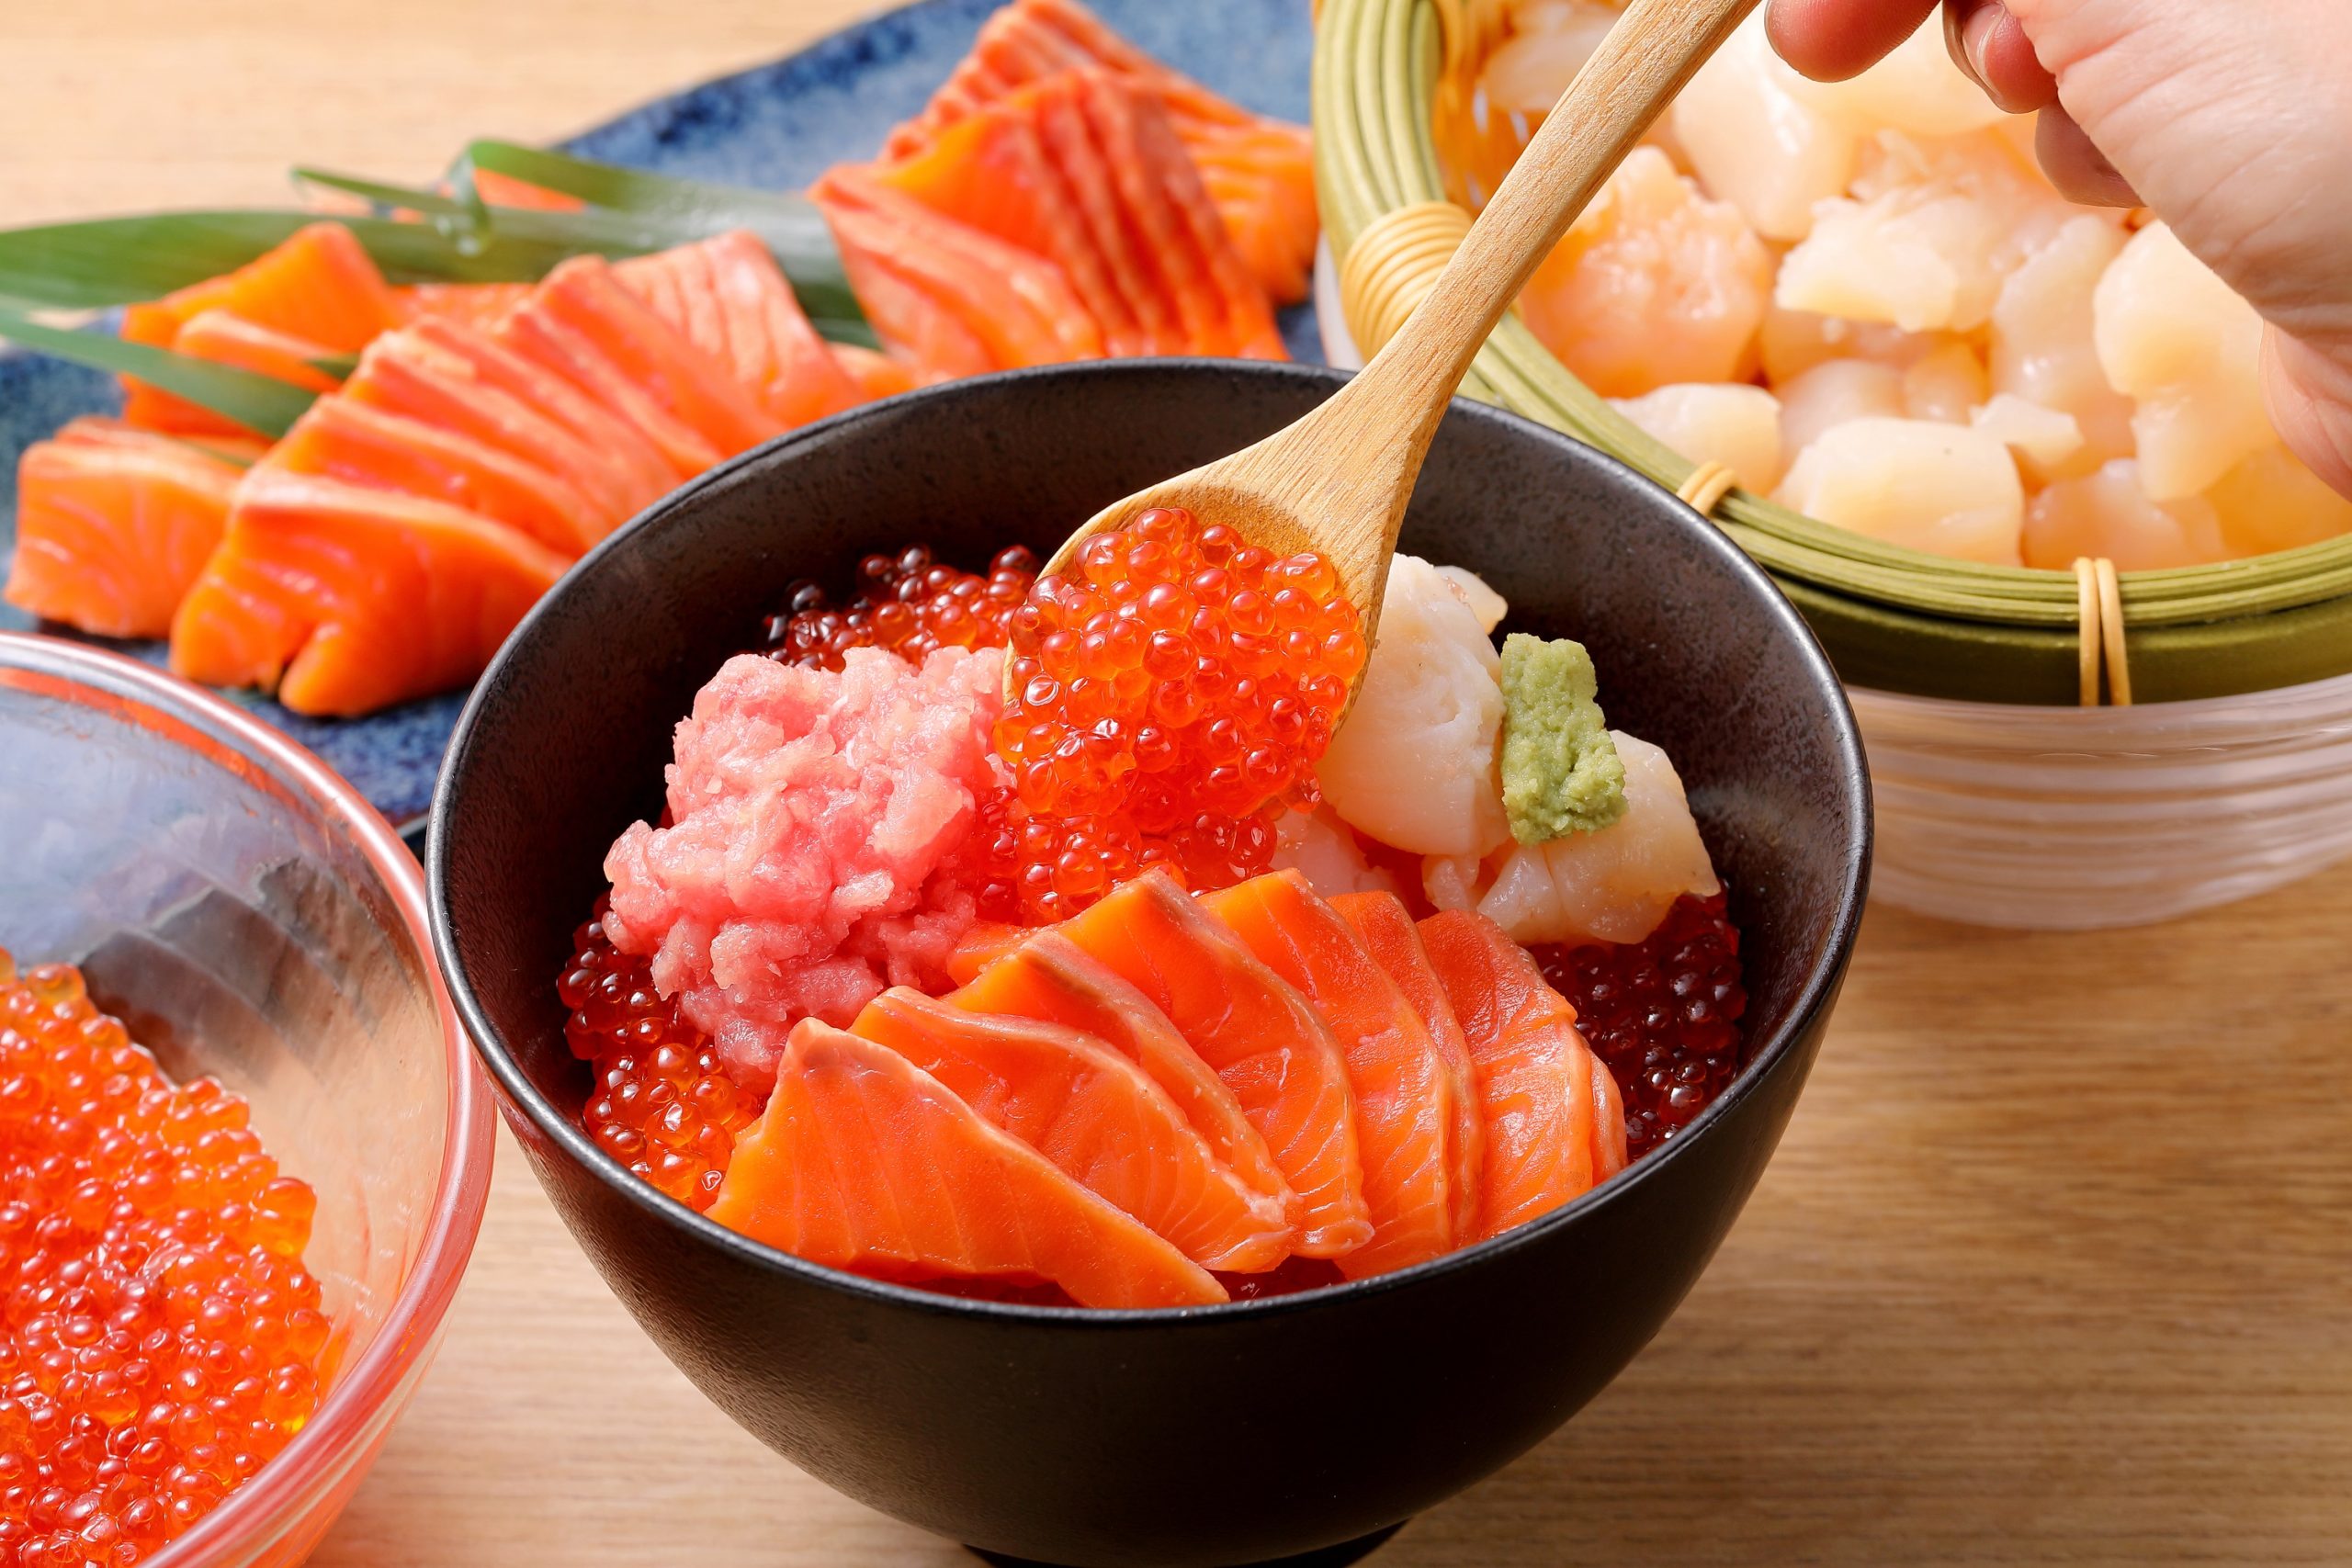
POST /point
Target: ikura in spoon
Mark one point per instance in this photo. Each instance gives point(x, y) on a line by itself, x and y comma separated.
point(1337, 481)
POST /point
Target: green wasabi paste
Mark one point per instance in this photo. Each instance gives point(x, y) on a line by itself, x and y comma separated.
point(1561, 772)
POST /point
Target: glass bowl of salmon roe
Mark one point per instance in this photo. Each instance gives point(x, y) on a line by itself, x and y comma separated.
point(220, 983)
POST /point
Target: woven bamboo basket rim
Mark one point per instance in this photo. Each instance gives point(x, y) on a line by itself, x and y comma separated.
point(1891, 617)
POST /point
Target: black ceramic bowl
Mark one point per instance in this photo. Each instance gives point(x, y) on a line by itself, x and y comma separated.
point(1220, 1436)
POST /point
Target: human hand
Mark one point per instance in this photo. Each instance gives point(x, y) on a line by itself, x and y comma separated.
point(2232, 121)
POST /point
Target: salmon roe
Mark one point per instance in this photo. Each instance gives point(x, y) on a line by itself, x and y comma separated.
point(159, 1338)
point(907, 604)
point(1662, 1012)
point(1170, 696)
point(663, 1105)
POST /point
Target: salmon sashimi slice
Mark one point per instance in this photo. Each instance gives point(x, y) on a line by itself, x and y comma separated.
point(476, 304)
point(1259, 172)
point(448, 372)
point(864, 1162)
point(1047, 977)
point(357, 442)
point(582, 322)
point(1538, 1083)
point(226, 338)
point(982, 944)
point(1084, 169)
point(112, 525)
point(1404, 1092)
point(506, 190)
point(878, 375)
point(1094, 1114)
point(939, 289)
point(346, 600)
point(727, 295)
point(240, 450)
point(1385, 926)
point(1259, 1034)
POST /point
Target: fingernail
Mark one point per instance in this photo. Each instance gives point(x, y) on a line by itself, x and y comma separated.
point(1977, 41)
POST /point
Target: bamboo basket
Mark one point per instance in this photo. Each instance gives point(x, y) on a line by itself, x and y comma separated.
point(2008, 795)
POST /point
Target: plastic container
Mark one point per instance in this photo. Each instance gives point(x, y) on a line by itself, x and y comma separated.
point(251, 916)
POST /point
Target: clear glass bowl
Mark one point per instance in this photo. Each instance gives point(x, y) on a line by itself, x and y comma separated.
point(2077, 818)
point(251, 916)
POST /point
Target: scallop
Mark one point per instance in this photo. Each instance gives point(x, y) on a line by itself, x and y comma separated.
point(1945, 489)
point(2044, 438)
point(2041, 350)
point(2271, 502)
point(1793, 341)
point(1945, 384)
point(1916, 88)
point(2109, 512)
point(1615, 884)
point(1549, 43)
point(1655, 285)
point(1754, 141)
point(1486, 603)
point(1320, 848)
point(2187, 352)
point(1413, 763)
point(1838, 393)
point(1926, 237)
point(1734, 424)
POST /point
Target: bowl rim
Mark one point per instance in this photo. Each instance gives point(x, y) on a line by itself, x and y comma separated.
point(1814, 994)
point(351, 1417)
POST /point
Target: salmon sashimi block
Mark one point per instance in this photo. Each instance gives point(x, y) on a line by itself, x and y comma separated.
point(864, 1162)
point(448, 373)
point(1404, 1092)
point(581, 323)
point(1084, 169)
point(1047, 977)
point(1259, 1034)
point(1539, 1085)
point(112, 525)
point(358, 443)
point(727, 297)
point(955, 298)
point(346, 600)
point(1385, 926)
point(476, 304)
point(1259, 172)
point(879, 376)
point(1095, 1115)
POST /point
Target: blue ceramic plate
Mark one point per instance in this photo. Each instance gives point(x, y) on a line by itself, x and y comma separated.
point(779, 126)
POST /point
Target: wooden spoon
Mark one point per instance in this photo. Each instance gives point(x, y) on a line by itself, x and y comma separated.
point(1337, 480)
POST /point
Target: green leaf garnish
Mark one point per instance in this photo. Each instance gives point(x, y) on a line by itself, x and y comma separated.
point(793, 230)
point(1561, 771)
point(262, 404)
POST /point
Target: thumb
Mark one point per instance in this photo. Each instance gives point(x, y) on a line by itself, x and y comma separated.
point(2310, 397)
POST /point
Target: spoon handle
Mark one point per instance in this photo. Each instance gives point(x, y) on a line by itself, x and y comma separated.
point(1649, 56)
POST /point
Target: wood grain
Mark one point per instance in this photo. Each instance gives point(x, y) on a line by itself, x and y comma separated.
point(2055, 1267)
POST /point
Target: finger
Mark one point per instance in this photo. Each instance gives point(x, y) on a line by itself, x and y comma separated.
point(2077, 168)
point(1989, 43)
point(2310, 397)
point(1830, 40)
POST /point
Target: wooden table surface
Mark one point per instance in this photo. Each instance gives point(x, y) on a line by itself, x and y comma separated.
point(2054, 1265)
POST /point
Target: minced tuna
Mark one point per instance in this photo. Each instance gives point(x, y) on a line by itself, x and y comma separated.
point(821, 830)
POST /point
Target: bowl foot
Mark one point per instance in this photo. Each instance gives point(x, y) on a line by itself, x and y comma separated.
point(1338, 1556)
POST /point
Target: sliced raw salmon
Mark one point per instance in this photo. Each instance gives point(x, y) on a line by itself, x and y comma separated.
point(727, 297)
point(864, 1162)
point(1386, 928)
point(112, 525)
point(879, 375)
point(982, 944)
point(505, 190)
point(1085, 169)
point(1043, 974)
point(459, 376)
point(955, 298)
point(476, 304)
point(1404, 1092)
point(358, 443)
point(1095, 1115)
point(346, 600)
point(1538, 1083)
point(226, 338)
point(582, 325)
point(1259, 172)
point(1259, 1034)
